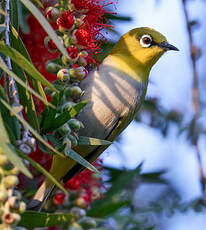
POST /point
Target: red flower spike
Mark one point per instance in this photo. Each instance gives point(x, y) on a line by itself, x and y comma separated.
point(52, 14)
point(53, 228)
point(66, 22)
point(86, 184)
point(72, 52)
point(59, 198)
point(50, 45)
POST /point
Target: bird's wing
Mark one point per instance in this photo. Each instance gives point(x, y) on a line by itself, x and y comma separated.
point(114, 101)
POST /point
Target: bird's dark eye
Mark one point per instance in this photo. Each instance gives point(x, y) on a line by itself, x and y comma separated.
point(146, 40)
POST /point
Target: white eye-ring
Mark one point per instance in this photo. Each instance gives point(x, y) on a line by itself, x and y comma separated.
point(146, 40)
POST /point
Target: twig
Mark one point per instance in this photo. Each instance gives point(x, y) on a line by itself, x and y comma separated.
point(194, 53)
point(12, 92)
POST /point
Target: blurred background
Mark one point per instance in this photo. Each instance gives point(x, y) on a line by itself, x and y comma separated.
point(165, 146)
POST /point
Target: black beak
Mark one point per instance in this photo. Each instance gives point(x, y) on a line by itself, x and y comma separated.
point(166, 46)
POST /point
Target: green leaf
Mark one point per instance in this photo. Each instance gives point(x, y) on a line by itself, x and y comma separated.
point(48, 115)
point(78, 158)
point(20, 60)
point(4, 67)
point(11, 123)
point(45, 24)
point(38, 3)
point(154, 177)
point(108, 208)
point(35, 134)
point(42, 170)
point(19, 46)
point(53, 124)
point(23, 19)
point(9, 151)
point(31, 219)
point(14, 20)
point(92, 141)
point(121, 181)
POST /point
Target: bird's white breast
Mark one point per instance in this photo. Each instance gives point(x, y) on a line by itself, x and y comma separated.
point(112, 95)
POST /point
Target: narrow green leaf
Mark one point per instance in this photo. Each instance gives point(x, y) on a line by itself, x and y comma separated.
point(19, 46)
point(15, 160)
point(78, 158)
point(14, 16)
point(92, 141)
point(30, 128)
point(22, 19)
point(10, 152)
point(42, 170)
point(64, 117)
point(77, 108)
point(121, 181)
point(4, 67)
point(108, 208)
point(31, 219)
point(38, 3)
point(20, 60)
point(45, 24)
point(11, 123)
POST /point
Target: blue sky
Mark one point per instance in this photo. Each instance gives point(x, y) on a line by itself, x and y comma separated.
point(171, 82)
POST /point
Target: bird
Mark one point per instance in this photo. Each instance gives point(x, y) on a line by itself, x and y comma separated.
point(115, 91)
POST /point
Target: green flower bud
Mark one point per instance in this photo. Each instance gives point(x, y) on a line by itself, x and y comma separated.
point(67, 42)
point(3, 195)
point(73, 140)
point(22, 207)
point(47, 90)
point(10, 181)
point(63, 75)
point(64, 129)
point(75, 226)
point(77, 213)
point(52, 67)
point(67, 106)
point(3, 160)
point(74, 124)
point(87, 223)
point(75, 92)
point(80, 202)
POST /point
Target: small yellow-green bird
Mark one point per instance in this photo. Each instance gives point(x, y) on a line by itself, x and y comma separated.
point(115, 91)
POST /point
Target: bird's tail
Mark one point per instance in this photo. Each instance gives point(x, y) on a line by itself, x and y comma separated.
point(40, 197)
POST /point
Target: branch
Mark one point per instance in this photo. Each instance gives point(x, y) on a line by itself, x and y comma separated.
point(194, 54)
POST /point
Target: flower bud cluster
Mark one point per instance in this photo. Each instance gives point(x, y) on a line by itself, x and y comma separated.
point(11, 205)
point(77, 209)
point(78, 40)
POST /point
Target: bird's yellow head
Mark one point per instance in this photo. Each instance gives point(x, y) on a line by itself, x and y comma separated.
point(142, 47)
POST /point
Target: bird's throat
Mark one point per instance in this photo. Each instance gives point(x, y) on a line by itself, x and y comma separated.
point(128, 66)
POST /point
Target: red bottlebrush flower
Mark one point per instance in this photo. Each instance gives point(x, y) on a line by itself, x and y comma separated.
point(83, 38)
point(59, 198)
point(34, 42)
point(65, 22)
point(72, 52)
point(87, 183)
point(52, 14)
point(82, 6)
point(51, 45)
point(53, 228)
